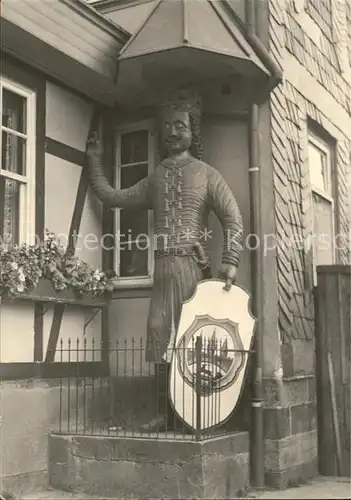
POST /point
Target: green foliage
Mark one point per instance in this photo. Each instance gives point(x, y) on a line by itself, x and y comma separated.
point(22, 267)
point(7, 495)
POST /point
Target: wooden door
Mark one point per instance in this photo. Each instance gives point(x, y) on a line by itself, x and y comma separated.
point(333, 368)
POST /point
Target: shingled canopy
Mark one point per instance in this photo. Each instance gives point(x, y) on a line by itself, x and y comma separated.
point(185, 41)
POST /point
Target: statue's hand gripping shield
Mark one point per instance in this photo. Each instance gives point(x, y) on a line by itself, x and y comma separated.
point(210, 354)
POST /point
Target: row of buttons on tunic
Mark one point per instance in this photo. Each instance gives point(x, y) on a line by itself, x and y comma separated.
point(176, 188)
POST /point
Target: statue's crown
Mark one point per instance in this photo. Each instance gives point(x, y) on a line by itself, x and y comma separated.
point(180, 100)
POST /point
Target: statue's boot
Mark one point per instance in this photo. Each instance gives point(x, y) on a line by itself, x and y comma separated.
point(164, 420)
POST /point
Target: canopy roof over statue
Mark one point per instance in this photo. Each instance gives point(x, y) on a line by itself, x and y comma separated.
point(185, 42)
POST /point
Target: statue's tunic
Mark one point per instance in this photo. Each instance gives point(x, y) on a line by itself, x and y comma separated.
point(181, 195)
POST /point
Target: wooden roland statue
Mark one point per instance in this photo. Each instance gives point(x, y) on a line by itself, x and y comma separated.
point(181, 192)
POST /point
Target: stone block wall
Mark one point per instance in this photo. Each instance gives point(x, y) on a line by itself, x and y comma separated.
point(290, 431)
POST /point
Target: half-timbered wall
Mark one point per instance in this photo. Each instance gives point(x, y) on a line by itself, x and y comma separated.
point(30, 407)
point(67, 123)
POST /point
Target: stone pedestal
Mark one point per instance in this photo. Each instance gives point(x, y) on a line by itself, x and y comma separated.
point(125, 467)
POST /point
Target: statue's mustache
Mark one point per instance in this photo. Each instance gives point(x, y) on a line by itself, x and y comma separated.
point(171, 140)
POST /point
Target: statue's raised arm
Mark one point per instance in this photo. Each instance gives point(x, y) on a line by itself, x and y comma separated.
point(138, 196)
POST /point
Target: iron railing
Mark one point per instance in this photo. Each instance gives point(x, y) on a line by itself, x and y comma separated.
point(124, 392)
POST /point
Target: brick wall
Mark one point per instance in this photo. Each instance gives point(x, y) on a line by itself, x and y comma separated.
point(308, 40)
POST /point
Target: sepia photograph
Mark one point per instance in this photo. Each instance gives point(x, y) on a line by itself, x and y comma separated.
point(175, 249)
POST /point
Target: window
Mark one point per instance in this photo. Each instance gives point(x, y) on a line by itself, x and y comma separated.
point(17, 169)
point(134, 248)
point(320, 166)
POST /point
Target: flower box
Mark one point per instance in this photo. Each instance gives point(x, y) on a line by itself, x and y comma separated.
point(45, 292)
point(47, 265)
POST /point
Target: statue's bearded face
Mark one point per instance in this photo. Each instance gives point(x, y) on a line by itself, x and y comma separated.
point(176, 132)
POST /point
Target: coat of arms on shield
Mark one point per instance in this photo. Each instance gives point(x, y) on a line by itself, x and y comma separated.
point(210, 354)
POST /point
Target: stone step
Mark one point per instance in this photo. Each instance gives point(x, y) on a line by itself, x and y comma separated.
point(52, 494)
point(321, 487)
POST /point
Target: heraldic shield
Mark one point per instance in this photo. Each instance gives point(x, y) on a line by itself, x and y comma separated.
point(210, 354)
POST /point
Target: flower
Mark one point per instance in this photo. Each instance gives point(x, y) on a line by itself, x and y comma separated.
point(21, 275)
point(22, 266)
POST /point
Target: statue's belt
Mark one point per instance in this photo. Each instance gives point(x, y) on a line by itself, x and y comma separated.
point(196, 251)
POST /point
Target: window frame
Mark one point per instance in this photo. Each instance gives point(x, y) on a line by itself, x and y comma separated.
point(133, 281)
point(27, 219)
point(327, 195)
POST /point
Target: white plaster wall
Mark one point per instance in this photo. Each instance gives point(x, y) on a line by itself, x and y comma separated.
point(89, 244)
point(68, 121)
point(128, 319)
point(226, 149)
point(61, 183)
point(16, 333)
point(74, 337)
point(67, 116)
